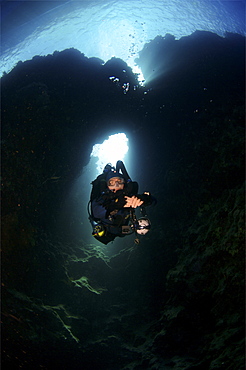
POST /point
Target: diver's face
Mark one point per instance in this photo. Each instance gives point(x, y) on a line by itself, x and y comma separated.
point(115, 184)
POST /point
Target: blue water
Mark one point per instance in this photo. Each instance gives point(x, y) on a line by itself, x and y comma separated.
point(110, 28)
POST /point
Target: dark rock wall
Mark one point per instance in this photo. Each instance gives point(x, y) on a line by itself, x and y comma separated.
point(176, 300)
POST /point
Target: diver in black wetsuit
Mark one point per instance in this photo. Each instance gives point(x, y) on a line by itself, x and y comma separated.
point(114, 198)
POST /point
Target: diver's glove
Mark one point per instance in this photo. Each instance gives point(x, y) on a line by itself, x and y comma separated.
point(133, 202)
point(147, 198)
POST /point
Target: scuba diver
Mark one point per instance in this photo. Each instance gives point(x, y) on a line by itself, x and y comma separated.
point(114, 198)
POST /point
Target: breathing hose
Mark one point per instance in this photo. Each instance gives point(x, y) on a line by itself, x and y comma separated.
point(120, 166)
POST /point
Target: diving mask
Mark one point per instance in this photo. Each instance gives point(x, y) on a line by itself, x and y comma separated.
point(114, 180)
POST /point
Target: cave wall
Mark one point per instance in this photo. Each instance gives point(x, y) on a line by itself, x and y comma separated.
point(174, 301)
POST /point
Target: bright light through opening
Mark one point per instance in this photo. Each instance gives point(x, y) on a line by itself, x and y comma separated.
point(140, 75)
point(110, 151)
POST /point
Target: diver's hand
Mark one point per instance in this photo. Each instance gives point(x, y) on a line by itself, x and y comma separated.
point(133, 202)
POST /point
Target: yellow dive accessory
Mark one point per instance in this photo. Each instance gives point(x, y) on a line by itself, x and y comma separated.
point(98, 230)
